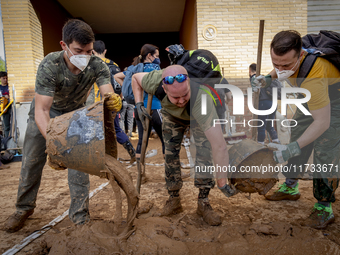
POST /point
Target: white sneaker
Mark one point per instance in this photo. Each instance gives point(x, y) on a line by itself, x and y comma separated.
point(261, 143)
point(276, 141)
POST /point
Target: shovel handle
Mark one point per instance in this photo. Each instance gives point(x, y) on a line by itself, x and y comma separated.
point(141, 162)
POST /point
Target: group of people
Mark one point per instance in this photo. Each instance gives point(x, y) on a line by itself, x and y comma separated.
point(65, 78)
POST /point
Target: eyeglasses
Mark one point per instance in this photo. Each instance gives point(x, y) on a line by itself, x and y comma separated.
point(171, 79)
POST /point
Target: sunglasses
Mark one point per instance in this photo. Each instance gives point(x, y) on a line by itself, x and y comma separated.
point(171, 79)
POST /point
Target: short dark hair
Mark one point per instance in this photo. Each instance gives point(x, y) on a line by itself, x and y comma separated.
point(252, 67)
point(99, 46)
point(286, 41)
point(79, 31)
point(3, 74)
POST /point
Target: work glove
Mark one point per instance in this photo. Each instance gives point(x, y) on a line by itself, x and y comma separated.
point(113, 102)
point(282, 153)
point(228, 190)
point(142, 113)
point(261, 81)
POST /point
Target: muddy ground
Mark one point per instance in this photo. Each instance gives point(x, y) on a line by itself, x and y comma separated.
point(250, 226)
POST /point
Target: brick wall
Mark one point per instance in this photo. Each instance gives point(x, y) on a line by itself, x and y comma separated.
point(23, 46)
point(237, 24)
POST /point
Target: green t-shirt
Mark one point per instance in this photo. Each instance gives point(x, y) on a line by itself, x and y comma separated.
point(69, 91)
point(151, 82)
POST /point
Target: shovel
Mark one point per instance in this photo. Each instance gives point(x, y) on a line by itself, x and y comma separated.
point(141, 162)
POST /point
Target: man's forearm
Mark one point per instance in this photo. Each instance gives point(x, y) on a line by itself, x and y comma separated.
point(315, 130)
point(42, 118)
point(221, 159)
point(322, 120)
point(219, 153)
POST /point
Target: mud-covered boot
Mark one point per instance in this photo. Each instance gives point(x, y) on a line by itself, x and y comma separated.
point(16, 221)
point(205, 210)
point(320, 217)
point(128, 146)
point(285, 193)
point(172, 206)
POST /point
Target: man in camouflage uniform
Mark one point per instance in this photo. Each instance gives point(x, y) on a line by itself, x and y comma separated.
point(62, 84)
point(208, 139)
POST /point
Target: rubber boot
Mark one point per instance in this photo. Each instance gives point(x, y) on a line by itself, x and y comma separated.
point(128, 146)
point(172, 206)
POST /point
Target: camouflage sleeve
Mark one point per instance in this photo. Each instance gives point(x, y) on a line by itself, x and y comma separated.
point(103, 74)
point(151, 81)
point(45, 82)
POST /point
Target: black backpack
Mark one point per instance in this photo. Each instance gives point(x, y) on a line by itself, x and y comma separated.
point(326, 44)
point(113, 70)
point(203, 68)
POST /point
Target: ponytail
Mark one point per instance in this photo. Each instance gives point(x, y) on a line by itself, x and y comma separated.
point(145, 50)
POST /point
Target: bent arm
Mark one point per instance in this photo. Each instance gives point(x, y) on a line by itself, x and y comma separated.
point(322, 120)
point(119, 77)
point(107, 88)
point(219, 152)
point(273, 74)
point(42, 112)
point(137, 89)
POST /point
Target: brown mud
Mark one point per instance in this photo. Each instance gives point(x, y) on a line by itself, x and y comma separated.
point(255, 226)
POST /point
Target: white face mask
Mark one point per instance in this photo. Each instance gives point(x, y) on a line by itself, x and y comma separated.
point(80, 61)
point(285, 74)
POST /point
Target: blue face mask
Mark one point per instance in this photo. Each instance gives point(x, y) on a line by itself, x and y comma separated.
point(156, 61)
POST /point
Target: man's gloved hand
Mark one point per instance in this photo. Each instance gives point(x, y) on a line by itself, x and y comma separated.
point(261, 81)
point(228, 190)
point(282, 153)
point(142, 113)
point(113, 102)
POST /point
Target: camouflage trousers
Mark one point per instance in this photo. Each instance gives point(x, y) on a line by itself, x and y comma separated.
point(173, 132)
point(326, 156)
point(33, 162)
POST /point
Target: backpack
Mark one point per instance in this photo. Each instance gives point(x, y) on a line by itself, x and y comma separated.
point(113, 70)
point(203, 68)
point(326, 44)
point(201, 64)
point(127, 87)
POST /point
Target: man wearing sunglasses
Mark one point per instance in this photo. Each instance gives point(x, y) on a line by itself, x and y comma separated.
point(210, 145)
